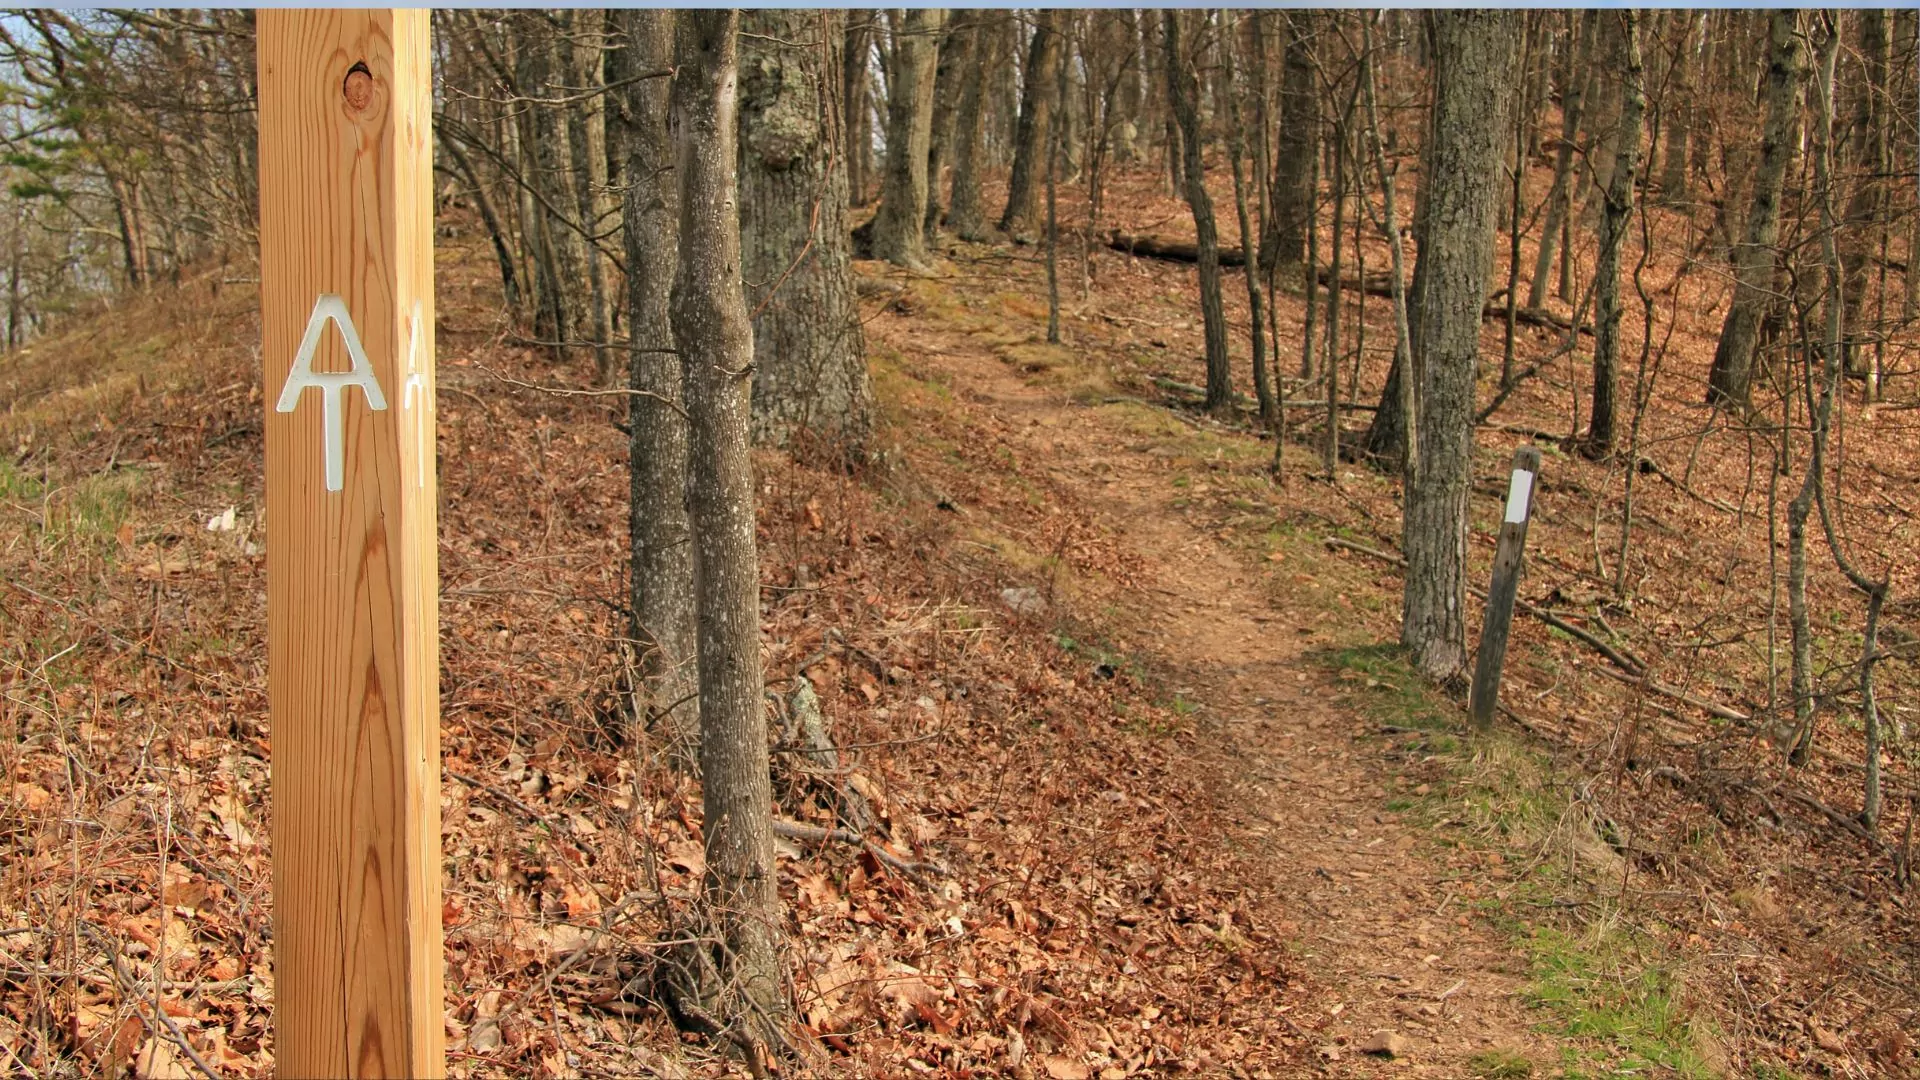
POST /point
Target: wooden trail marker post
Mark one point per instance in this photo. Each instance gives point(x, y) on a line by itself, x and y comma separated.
point(1505, 586)
point(346, 306)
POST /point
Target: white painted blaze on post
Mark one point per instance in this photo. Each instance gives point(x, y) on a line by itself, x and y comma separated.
point(1519, 491)
point(1503, 590)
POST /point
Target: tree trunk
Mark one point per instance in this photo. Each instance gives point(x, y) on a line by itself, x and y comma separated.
point(857, 109)
point(659, 536)
point(1676, 172)
point(541, 166)
point(1576, 81)
point(1256, 303)
point(1036, 116)
point(585, 56)
point(956, 65)
point(1613, 231)
point(1754, 259)
point(1395, 420)
point(1866, 218)
point(899, 230)
point(1290, 198)
point(496, 232)
point(1183, 93)
point(810, 372)
point(965, 215)
point(1473, 58)
point(715, 339)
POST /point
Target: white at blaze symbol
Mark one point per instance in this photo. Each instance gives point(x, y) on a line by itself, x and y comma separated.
point(331, 308)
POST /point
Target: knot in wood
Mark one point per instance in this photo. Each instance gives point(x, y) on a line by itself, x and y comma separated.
point(357, 87)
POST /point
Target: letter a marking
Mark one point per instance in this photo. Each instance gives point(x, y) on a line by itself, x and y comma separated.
point(331, 308)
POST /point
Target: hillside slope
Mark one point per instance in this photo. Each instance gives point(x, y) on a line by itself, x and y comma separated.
point(1153, 796)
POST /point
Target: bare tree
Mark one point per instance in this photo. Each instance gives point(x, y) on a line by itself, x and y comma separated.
point(1614, 220)
point(659, 535)
point(899, 229)
point(965, 215)
point(715, 339)
point(1291, 199)
point(1183, 92)
point(1036, 116)
point(1473, 55)
point(1754, 258)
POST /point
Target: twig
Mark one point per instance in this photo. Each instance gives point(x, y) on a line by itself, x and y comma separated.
point(794, 830)
point(1543, 615)
point(1708, 707)
point(165, 1028)
point(538, 817)
point(569, 391)
point(1653, 466)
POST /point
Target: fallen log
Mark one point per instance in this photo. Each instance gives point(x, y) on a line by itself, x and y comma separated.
point(1152, 247)
point(1376, 284)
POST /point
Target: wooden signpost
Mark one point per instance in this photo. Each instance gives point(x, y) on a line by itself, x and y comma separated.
point(1505, 587)
point(346, 297)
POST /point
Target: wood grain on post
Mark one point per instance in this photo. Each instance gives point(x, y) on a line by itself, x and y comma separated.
point(1505, 585)
point(346, 295)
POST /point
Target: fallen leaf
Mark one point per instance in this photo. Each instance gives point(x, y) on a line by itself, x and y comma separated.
point(1387, 1043)
point(1827, 1040)
point(1065, 1068)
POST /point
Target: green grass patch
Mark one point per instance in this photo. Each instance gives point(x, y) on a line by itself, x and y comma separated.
point(1388, 691)
point(87, 511)
point(1612, 991)
point(1500, 1065)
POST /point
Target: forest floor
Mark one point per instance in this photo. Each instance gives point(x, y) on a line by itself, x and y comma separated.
point(1175, 804)
point(1373, 906)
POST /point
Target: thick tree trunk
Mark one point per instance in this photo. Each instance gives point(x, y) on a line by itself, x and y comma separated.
point(1474, 54)
point(715, 339)
point(1614, 221)
point(1290, 199)
point(1754, 259)
point(899, 230)
point(659, 536)
point(965, 215)
point(1184, 96)
point(1036, 116)
point(810, 373)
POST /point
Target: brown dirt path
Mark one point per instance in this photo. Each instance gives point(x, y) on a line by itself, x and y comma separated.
point(1377, 912)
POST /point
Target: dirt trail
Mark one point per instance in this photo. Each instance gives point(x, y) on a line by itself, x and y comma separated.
point(1376, 923)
